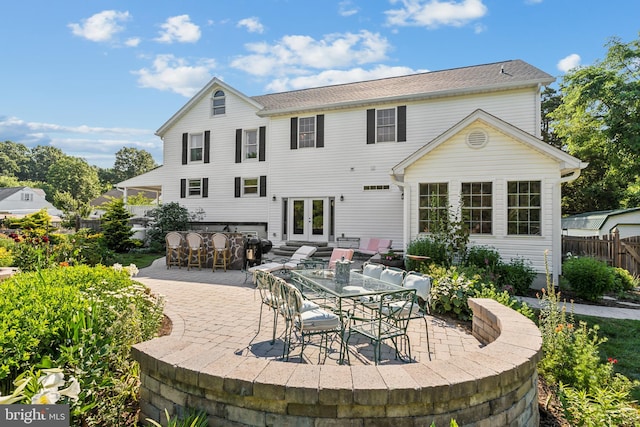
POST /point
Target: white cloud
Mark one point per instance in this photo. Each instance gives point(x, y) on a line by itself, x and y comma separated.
point(296, 54)
point(569, 62)
point(100, 27)
point(533, 1)
point(334, 77)
point(252, 25)
point(179, 29)
point(132, 42)
point(176, 75)
point(435, 13)
point(346, 8)
point(97, 145)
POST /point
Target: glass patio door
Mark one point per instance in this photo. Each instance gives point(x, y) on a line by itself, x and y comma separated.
point(309, 219)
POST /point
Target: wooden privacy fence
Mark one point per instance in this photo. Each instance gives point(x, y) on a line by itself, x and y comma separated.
point(617, 252)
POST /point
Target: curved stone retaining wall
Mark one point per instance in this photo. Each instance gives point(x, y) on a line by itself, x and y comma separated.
point(493, 386)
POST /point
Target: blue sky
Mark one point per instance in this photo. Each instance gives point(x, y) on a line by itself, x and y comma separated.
point(91, 77)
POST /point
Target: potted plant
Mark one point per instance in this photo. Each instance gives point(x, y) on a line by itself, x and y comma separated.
point(392, 259)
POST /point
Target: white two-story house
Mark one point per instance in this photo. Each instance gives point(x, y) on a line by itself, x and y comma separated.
point(373, 159)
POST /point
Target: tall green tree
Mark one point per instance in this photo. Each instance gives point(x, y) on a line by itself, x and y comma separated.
point(75, 176)
point(131, 162)
point(41, 159)
point(14, 159)
point(599, 122)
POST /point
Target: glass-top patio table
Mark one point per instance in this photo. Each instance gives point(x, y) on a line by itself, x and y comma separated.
point(362, 294)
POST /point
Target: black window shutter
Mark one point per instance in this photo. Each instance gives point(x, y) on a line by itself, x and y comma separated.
point(238, 145)
point(207, 145)
point(205, 187)
point(263, 186)
point(183, 188)
point(320, 130)
point(237, 186)
point(185, 147)
point(262, 143)
point(371, 126)
point(402, 123)
point(294, 133)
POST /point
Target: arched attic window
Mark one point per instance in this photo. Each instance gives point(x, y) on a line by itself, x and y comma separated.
point(218, 103)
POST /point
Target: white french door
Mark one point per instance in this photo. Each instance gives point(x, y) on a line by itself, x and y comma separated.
point(309, 219)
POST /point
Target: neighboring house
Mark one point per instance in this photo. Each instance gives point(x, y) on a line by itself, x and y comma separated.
point(370, 159)
point(17, 202)
point(602, 223)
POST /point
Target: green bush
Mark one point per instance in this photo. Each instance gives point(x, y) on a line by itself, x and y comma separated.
point(517, 274)
point(168, 217)
point(427, 246)
point(588, 277)
point(83, 319)
point(450, 290)
point(485, 257)
point(623, 281)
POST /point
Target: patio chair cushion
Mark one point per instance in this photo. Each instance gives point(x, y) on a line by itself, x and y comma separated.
point(372, 270)
point(422, 285)
point(392, 276)
point(319, 320)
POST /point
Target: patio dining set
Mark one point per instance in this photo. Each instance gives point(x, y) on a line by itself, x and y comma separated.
point(322, 303)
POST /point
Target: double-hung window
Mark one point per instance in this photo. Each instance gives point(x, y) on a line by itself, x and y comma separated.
point(307, 132)
point(195, 148)
point(477, 207)
point(250, 186)
point(218, 103)
point(194, 188)
point(433, 205)
point(524, 208)
point(250, 144)
point(386, 125)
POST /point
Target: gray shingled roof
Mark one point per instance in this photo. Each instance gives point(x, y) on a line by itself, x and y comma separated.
point(8, 191)
point(592, 220)
point(513, 73)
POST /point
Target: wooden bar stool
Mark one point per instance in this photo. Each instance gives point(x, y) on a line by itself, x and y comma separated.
point(195, 243)
point(173, 241)
point(221, 251)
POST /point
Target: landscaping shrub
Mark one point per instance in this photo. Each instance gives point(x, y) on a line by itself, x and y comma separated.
point(427, 246)
point(485, 257)
point(168, 217)
point(450, 290)
point(592, 395)
point(588, 277)
point(82, 319)
point(116, 229)
point(623, 281)
point(517, 275)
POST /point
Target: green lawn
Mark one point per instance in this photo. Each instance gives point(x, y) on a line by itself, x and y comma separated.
point(623, 342)
point(140, 260)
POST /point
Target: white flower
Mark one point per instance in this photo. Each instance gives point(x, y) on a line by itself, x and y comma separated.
point(72, 391)
point(13, 398)
point(52, 381)
point(117, 267)
point(133, 270)
point(46, 397)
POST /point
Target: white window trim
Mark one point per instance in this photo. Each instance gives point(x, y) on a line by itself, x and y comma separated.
point(194, 196)
point(224, 105)
point(315, 132)
point(245, 186)
point(191, 147)
point(245, 141)
point(395, 124)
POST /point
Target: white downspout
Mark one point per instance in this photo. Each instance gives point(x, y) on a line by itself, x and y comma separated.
point(406, 197)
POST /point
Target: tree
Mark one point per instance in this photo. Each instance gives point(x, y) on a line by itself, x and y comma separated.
point(599, 122)
point(75, 176)
point(168, 217)
point(14, 159)
point(73, 209)
point(116, 229)
point(132, 162)
point(41, 159)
